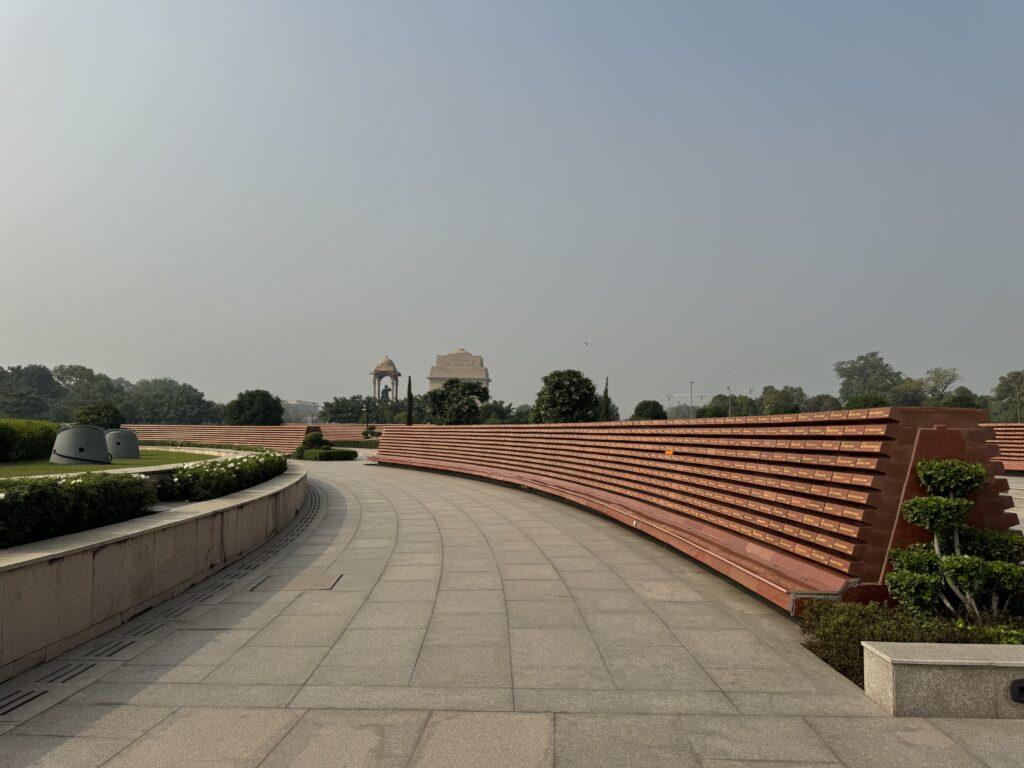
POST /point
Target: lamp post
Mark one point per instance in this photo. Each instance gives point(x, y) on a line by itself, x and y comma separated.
point(691, 398)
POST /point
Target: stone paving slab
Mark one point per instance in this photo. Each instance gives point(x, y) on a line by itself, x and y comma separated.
point(426, 620)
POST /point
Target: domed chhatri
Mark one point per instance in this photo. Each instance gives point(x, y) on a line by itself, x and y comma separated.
point(385, 369)
point(461, 365)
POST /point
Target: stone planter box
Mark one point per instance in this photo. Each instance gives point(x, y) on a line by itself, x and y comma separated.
point(58, 593)
point(944, 679)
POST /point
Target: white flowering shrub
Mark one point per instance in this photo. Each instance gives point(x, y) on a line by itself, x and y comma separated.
point(210, 479)
point(42, 507)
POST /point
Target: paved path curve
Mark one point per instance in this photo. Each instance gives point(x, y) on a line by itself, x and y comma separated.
point(423, 620)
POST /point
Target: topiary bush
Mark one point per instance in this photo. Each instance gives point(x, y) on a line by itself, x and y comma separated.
point(40, 508)
point(969, 573)
point(26, 439)
point(315, 440)
point(835, 630)
point(211, 479)
point(951, 478)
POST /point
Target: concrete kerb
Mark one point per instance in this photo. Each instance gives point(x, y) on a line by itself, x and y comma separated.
point(58, 593)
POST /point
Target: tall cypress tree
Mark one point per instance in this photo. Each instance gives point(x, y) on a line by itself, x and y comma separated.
point(408, 401)
point(603, 414)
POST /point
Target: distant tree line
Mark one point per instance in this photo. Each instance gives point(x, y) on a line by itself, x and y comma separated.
point(75, 393)
point(568, 396)
point(869, 381)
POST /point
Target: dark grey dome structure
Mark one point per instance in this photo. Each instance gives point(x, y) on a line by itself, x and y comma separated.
point(80, 444)
point(123, 444)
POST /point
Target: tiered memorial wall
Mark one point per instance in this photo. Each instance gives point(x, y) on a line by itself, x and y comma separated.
point(791, 506)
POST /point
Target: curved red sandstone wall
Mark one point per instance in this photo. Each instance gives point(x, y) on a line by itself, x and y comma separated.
point(284, 437)
point(790, 506)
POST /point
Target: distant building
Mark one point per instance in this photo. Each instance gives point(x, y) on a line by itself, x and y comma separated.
point(300, 411)
point(461, 365)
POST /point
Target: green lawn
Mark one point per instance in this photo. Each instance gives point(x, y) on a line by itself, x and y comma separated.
point(150, 458)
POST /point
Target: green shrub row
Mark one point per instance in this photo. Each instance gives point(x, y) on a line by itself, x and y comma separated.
point(834, 631)
point(330, 454)
point(211, 479)
point(26, 439)
point(40, 508)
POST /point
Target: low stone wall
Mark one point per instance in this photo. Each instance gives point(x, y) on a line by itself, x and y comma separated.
point(945, 679)
point(58, 593)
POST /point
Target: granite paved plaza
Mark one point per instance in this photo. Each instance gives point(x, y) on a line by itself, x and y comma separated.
point(414, 619)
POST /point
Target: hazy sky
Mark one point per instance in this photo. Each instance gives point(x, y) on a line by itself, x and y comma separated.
point(276, 194)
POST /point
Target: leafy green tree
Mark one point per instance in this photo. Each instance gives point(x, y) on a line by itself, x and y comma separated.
point(456, 402)
point(648, 410)
point(1007, 402)
point(937, 381)
point(28, 392)
point(83, 386)
point(344, 410)
point(100, 414)
point(521, 414)
point(602, 409)
point(962, 397)
point(866, 401)
point(867, 377)
point(565, 397)
point(166, 401)
point(680, 412)
point(785, 400)
point(408, 402)
point(823, 402)
point(909, 392)
point(496, 412)
point(254, 407)
point(725, 405)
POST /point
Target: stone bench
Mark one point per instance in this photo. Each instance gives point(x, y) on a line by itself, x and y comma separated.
point(945, 679)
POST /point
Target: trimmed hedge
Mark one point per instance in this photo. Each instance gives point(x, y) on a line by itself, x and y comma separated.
point(211, 479)
point(330, 454)
point(40, 508)
point(26, 439)
point(834, 631)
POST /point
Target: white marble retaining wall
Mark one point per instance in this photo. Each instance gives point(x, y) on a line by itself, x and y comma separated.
point(58, 593)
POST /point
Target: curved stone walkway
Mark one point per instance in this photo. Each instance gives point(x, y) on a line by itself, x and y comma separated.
point(414, 619)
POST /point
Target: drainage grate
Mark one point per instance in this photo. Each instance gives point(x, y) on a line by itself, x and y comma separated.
point(108, 649)
point(195, 598)
point(173, 613)
point(142, 630)
point(19, 698)
point(65, 674)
